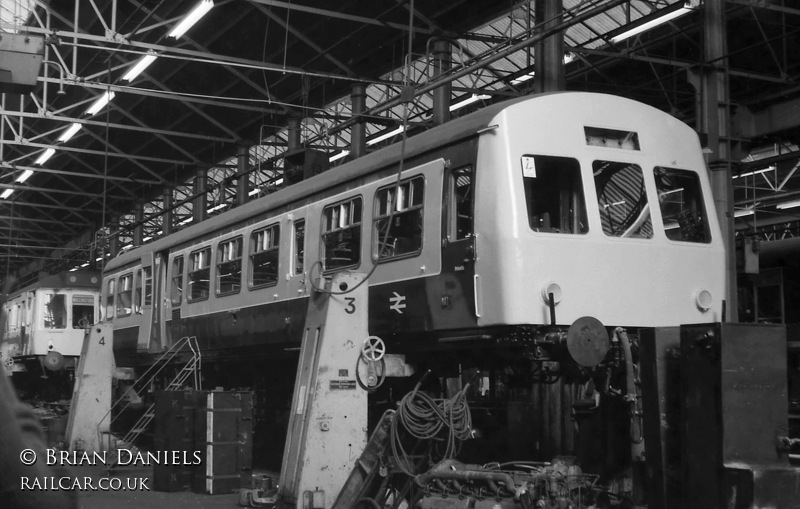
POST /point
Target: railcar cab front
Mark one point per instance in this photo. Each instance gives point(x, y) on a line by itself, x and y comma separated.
point(608, 208)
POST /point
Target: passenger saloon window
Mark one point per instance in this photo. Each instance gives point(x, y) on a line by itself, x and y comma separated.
point(176, 292)
point(397, 227)
point(681, 201)
point(199, 274)
point(229, 266)
point(461, 205)
point(341, 234)
point(55, 311)
point(264, 256)
point(554, 194)
point(621, 196)
point(110, 290)
point(124, 295)
point(82, 311)
point(299, 245)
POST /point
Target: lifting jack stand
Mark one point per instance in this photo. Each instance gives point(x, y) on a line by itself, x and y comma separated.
point(327, 429)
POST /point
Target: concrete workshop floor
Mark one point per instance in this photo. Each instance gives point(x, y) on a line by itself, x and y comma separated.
point(139, 499)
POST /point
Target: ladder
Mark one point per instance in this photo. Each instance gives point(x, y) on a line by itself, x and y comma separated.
point(190, 372)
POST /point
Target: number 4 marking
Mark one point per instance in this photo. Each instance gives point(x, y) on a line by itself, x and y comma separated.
point(102, 341)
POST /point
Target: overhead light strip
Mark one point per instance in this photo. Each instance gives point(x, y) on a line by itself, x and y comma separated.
point(25, 175)
point(70, 132)
point(140, 67)
point(190, 19)
point(751, 173)
point(44, 156)
point(788, 204)
point(100, 103)
point(386, 136)
point(685, 8)
point(469, 100)
point(343, 153)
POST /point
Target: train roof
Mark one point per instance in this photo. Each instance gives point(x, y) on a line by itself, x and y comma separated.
point(85, 279)
point(441, 135)
point(445, 134)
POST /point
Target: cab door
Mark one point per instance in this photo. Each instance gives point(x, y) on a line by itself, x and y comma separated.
point(456, 285)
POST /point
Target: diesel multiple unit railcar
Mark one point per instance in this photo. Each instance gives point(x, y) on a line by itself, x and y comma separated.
point(485, 240)
point(45, 325)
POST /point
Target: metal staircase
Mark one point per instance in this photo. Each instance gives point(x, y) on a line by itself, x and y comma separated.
point(190, 372)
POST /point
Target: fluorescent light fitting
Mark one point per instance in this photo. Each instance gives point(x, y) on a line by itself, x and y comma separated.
point(186, 221)
point(660, 20)
point(24, 176)
point(671, 191)
point(750, 173)
point(85, 265)
point(6, 193)
point(523, 78)
point(788, 204)
point(44, 156)
point(254, 192)
point(100, 103)
point(70, 132)
point(140, 66)
point(193, 17)
point(743, 213)
point(217, 207)
point(469, 100)
point(388, 135)
point(343, 153)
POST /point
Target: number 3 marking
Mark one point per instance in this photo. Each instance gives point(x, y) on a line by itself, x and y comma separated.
point(351, 306)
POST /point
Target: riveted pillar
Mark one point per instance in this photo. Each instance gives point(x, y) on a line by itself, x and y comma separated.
point(138, 218)
point(441, 95)
point(167, 217)
point(200, 202)
point(358, 139)
point(549, 53)
point(242, 174)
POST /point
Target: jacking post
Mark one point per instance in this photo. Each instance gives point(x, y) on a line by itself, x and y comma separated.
point(327, 429)
point(91, 396)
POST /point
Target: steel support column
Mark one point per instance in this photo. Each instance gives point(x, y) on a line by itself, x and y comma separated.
point(138, 218)
point(166, 218)
point(715, 122)
point(549, 52)
point(200, 202)
point(242, 174)
point(441, 95)
point(358, 138)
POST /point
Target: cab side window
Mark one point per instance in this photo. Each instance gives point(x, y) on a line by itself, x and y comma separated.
point(461, 204)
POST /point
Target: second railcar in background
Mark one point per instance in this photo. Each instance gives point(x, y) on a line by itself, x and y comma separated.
point(486, 240)
point(45, 326)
